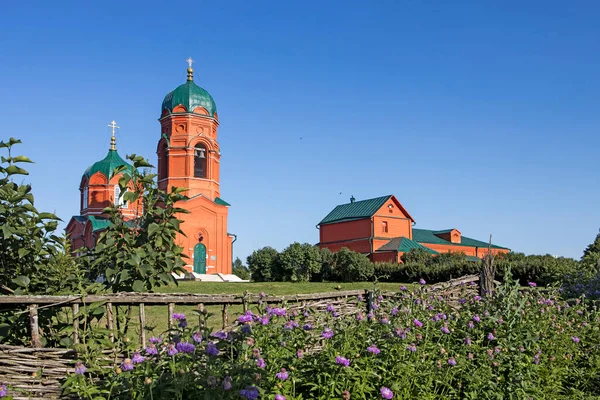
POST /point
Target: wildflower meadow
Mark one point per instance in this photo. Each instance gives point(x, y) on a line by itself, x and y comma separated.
point(522, 344)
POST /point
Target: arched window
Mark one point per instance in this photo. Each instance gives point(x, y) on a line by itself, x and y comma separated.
point(163, 162)
point(86, 200)
point(200, 161)
point(119, 201)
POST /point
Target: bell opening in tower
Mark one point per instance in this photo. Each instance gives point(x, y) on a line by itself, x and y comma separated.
point(200, 161)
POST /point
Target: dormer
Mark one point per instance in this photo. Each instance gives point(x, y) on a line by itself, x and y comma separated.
point(451, 235)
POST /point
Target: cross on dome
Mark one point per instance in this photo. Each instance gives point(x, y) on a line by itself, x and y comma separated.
point(190, 62)
point(113, 125)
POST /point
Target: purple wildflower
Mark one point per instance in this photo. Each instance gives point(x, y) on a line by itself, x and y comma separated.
point(401, 333)
point(178, 316)
point(471, 325)
point(467, 341)
point(300, 353)
point(418, 323)
point(151, 350)
point(279, 397)
point(137, 358)
point(227, 383)
point(422, 281)
point(462, 301)
point(327, 333)
point(212, 350)
point(403, 288)
point(575, 339)
point(171, 350)
point(360, 316)
point(330, 308)
point(264, 320)
point(280, 312)
point(477, 298)
point(394, 311)
point(412, 347)
point(185, 347)
point(155, 340)
point(282, 374)
point(476, 318)
point(197, 337)
point(386, 393)
point(445, 329)
point(307, 327)
point(3, 390)
point(251, 392)
point(384, 320)
point(246, 317)
point(452, 361)
point(127, 365)
point(490, 336)
point(373, 349)
point(220, 335)
point(79, 370)
point(370, 315)
point(260, 363)
point(247, 329)
point(532, 284)
point(342, 361)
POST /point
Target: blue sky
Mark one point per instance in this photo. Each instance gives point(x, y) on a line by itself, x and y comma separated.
point(477, 115)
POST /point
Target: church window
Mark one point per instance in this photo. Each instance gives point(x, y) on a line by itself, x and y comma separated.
point(85, 198)
point(384, 227)
point(119, 201)
point(200, 161)
point(163, 164)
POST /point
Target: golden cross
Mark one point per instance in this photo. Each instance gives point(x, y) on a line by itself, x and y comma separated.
point(190, 62)
point(113, 140)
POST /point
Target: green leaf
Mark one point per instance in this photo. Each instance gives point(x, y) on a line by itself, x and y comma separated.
point(14, 170)
point(21, 159)
point(153, 228)
point(21, 280)
point(138, 286)
point(23, 252)
point(47, 215)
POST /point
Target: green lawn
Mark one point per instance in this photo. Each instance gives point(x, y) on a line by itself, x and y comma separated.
point(156, 316)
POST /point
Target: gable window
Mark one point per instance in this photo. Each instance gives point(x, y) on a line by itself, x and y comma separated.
point(384, 227)
point(85, 197)
point(119, 201)
point(200, 161)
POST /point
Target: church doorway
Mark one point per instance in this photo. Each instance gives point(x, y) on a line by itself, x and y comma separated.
point(200, 258)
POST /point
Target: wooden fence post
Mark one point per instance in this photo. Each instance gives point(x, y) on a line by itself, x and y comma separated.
point(143, 324)
point(33, 324)
point(171, 310)
point(369, 301)
point(225, 316)
point(201, 317)
point(75, 308)
point(109, 321)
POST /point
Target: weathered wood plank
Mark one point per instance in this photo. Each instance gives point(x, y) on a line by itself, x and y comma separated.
point(142, 325)
point(34, 327)
point(75, 308)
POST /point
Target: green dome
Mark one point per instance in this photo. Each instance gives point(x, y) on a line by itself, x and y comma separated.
point(107, 165)
point(190, 96)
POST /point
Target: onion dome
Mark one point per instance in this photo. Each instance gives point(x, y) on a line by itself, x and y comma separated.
point(112, 160)
point(190, 96)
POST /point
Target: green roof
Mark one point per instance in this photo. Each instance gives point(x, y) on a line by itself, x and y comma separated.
point(190, 96)
point(404, 245)
point(107, 165)
point(98, 223)
point(473, 258)
point(355, 210)
point(428, 236)
point(221, 202)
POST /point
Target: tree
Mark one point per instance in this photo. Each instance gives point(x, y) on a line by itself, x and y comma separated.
point(141, 254)
point(263, 264)
point(299, 262)
point(240, 269)
point(350, 266)
point(416, 256)
point(590, 260)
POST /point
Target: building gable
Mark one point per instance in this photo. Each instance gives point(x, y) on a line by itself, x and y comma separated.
point(392, 208)
point(355, 210)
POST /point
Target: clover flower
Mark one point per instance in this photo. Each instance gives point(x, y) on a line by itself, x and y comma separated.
point(171, 350)
point(250, 392)
point(373, 349)
point(227, 383)
point(327, 333)
point(343, 361)
point(212, 350)
point(127, 365)
point(386, 393)
point(79, 370)
point(137, 358)
point(282, 374)
point(185, 347)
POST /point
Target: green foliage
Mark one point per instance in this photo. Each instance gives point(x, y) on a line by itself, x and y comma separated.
point(590, 260)
point(349, 266)
point(416, 256)
point(27, 240)
point(141, 254)
point(240, 269)
point(299, 262)
point(523, 344)
point(263, 264)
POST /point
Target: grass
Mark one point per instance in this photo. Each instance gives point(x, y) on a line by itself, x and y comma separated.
point(156, 316)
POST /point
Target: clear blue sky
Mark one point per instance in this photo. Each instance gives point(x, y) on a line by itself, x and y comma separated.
point(477, 115)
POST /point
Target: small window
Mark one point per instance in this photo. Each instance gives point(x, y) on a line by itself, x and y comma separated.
point(85, 198)
point(384, 227)
point(200, 161)
point(119, 201)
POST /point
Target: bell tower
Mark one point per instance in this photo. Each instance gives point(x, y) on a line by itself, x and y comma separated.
point(188, 150)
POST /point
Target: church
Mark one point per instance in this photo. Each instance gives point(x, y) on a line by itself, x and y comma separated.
point(189, 157)
point(382, 229)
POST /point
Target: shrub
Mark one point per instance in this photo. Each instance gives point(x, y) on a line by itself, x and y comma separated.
point(349, 266)
point(263, 265)
point(299, 262)
point(240, 269)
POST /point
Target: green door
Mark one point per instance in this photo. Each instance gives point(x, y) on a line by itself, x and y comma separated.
point(200, 258)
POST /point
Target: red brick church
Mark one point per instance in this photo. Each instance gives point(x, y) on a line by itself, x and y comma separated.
point(189, 156)
point(382, 229)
